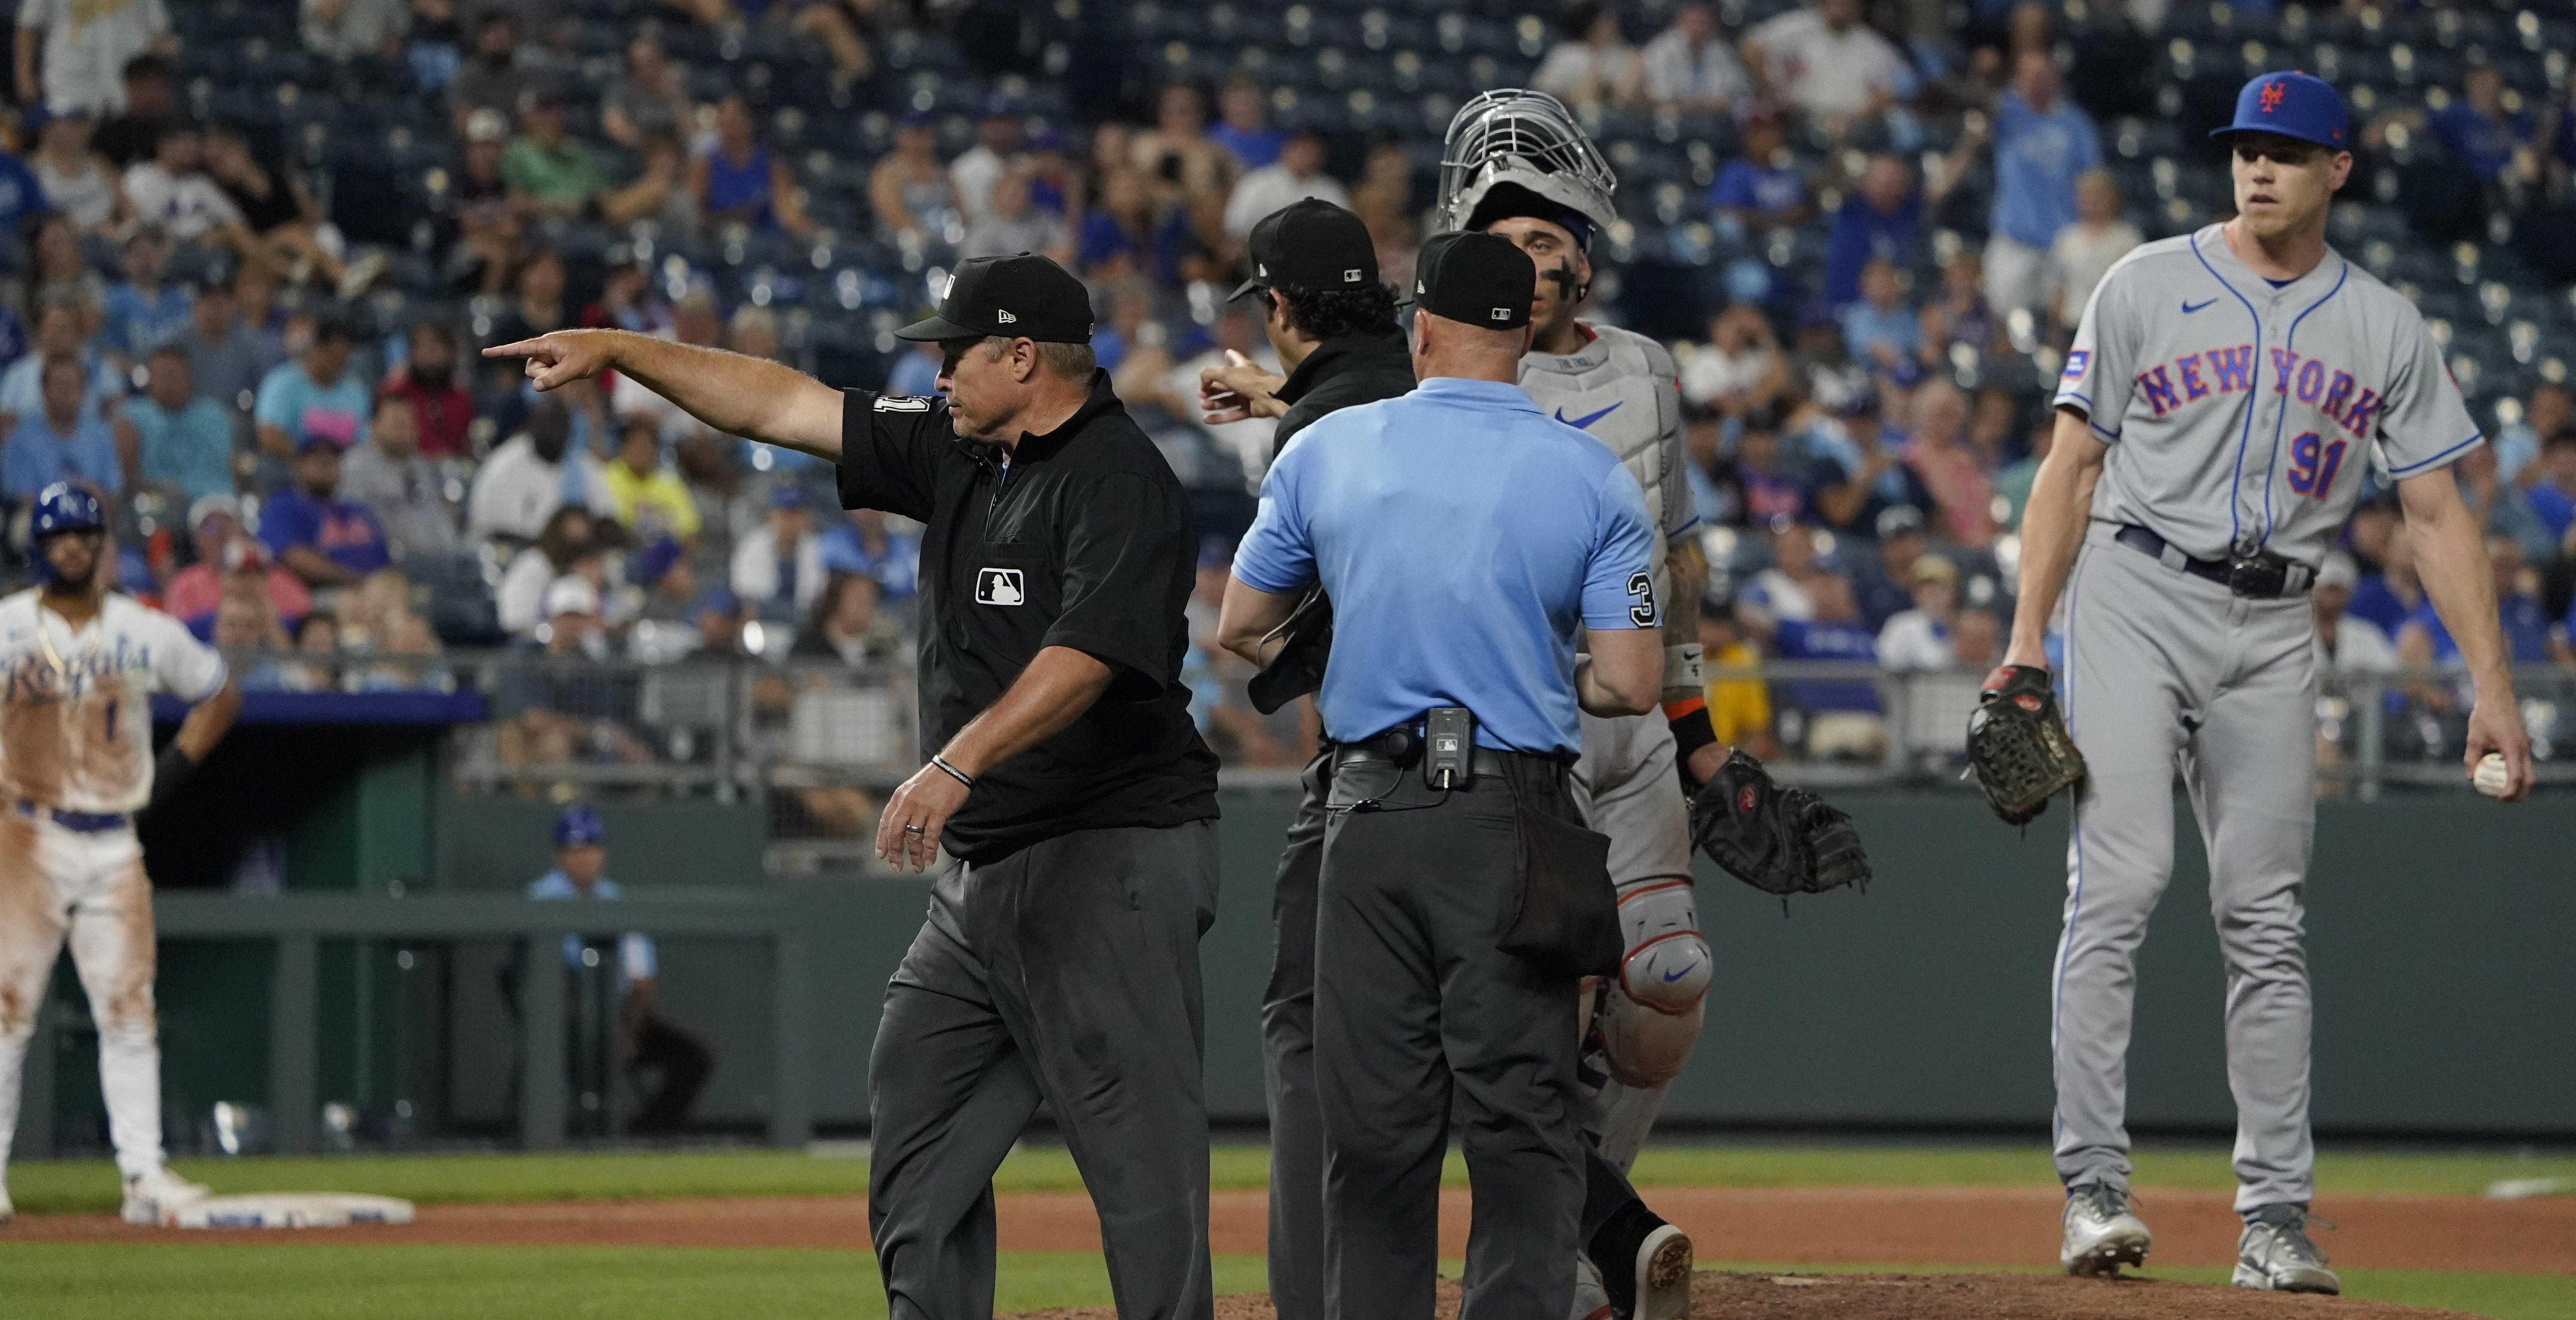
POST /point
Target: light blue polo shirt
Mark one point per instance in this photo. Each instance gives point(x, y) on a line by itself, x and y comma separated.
point(1463, 536)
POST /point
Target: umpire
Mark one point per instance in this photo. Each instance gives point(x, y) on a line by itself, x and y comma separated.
point(1464, 538)
point(1059, 962)
point(1315, 270)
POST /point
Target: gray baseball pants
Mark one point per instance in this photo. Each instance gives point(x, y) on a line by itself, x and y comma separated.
point(1066, 973)
point(2166, 671)
point(1421, 1021)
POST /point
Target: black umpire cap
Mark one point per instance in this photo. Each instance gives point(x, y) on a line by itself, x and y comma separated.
point(1018, 297)
point(1475, 279)
point(1311, 246)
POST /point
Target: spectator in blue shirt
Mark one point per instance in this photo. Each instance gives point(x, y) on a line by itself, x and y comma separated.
point(865, 545)
point(1244, 127)
point(1880, 329)
point(2422, 640)
point(2477, 128)
point(1878, 222)
point(21, 193)
point(1844, 721)
point(144, 312)
point(318, 396)
point(62, 441)
point(58, 334)
point(182, 439)
point(1760, 189)
point(324, 540)
point(2553, 497)
point(2042, 142)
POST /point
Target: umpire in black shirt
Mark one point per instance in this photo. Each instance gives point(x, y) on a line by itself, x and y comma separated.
point(1059, 962)
point(1314, 268)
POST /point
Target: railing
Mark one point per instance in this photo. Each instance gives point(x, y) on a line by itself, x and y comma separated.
point(820, 743)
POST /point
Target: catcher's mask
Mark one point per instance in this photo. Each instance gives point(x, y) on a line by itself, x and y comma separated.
point(1513, 152)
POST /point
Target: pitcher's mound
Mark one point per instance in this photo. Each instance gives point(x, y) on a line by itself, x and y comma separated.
point(1717, 1296)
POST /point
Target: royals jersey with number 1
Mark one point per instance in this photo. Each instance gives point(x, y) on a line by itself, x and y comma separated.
point(2242, 413)
point(76, 720)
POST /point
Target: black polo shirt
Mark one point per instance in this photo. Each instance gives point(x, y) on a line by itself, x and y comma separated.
point(1080, 538)
point(1343, 371)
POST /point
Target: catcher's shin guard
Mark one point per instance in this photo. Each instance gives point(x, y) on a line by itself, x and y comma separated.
point(1648, 1017)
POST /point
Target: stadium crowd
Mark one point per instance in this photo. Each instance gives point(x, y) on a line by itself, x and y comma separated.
point(1897, 224)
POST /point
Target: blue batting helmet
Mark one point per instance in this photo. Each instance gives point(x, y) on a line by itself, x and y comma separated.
point(64, 507)
point(579, 827)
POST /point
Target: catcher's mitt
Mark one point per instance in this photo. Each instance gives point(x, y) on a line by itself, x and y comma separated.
point(2018, 751)
point(1778, 840)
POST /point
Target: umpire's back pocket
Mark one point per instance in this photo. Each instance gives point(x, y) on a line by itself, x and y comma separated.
point(1566, 921)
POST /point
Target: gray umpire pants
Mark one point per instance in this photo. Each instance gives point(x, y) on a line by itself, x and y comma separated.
point(2166, 671)
point(1418, 1016)
point(1067, 973)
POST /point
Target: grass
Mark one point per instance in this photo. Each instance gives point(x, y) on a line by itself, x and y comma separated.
point(43, 1187)
point(78, 1281)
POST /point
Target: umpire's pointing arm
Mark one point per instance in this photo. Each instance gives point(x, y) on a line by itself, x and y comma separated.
point(737, 395)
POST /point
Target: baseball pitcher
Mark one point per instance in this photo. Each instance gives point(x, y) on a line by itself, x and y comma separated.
point(2225, 395)
point(76, 763)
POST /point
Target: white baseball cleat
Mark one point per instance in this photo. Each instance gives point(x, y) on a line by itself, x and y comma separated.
point(1663, 1276)
point(2274, 1254)
point(2101, 1234)
point(151, 1196)
point(7, 1210)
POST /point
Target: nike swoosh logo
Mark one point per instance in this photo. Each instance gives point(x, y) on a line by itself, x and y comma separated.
point(1585, 423)
point(2189, 307)
point(1670, 977)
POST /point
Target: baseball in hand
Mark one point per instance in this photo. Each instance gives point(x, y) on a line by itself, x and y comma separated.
point(2491, 777)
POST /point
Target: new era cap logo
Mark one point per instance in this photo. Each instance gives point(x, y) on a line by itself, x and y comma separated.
point(998, 586)
point(1005, 317)
point(1351, 276)
point(1262, 270)
point(2271, 98)
point(948, 288)
point(1502, 313)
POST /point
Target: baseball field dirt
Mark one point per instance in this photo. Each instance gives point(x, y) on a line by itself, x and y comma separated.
point(1989, 1226)
point(1721, 1296)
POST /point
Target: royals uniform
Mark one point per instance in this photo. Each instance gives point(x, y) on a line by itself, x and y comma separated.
point(1624, 390)
point(2240, 416)
point(75, 763)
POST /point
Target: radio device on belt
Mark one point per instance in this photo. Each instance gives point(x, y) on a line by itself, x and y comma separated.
point(1448, 746)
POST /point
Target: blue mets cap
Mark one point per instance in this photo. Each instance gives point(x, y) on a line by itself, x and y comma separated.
point(579, 827)
point(2294, 105)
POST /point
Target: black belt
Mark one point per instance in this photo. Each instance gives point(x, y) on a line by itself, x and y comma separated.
point(1401, 747)
point(2262, 575)
point(85, 822)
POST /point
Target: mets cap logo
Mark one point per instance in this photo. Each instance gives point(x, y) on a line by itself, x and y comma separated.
point(2271, 97)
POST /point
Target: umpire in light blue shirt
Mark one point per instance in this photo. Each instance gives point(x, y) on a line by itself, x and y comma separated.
point(1467, 541)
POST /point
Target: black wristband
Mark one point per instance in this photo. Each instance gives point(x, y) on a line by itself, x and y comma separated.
point(1691, 731)
point(941, 764)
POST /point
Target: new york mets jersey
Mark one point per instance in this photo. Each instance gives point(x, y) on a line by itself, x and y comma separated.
point(76, 719)
point(2241, 413)
point(1624, 390)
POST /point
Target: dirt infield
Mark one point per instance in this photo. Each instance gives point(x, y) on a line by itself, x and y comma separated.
point(1717, 1296)
point(1820, 1225)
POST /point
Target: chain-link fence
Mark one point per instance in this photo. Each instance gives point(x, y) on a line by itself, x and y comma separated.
point(818, 745)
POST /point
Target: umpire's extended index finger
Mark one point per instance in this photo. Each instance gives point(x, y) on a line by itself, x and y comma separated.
point(521, 349)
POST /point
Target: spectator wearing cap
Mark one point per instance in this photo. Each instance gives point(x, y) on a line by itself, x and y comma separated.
point(2043, 143)
point(662, 569)
point(427, 381)
point(649, 497)
point(70, 175)
point(145, 311)
point(1762, 188)
point(530, 475)
point(1884, 585)
point(1691, 67)
point(1298, 174)
point(183, 439)
point(718, 617)
point(1068, 780)
point(1365, 505)
point(549, 171)
point(490, 79)
point(778, 566)
point(647, 1042)
point(741, 181)
point(171, 190)
point(324, 539)
point(1878, 222)
point(487, 222)
point(1243, 124)
point(315, 397)
point(1775, 489)
point(84, 51)
point(563, 549)
point(227, 555)
point(1919, 637)
point(996, 152)
point(909, 189)
point(58, 335)
point(63, 440)
point(2345, 642)
point(402, 487)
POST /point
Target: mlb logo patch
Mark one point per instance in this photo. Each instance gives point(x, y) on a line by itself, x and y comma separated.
point(902, 403)
point(2076, 361)
point(1351, 275)
point(998, 586)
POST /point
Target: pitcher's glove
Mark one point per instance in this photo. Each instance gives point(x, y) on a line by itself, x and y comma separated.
point(1778, 840)
point(2018, 751)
